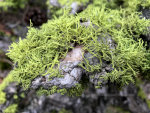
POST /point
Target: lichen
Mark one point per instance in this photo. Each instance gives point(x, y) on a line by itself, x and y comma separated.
point(11, 109)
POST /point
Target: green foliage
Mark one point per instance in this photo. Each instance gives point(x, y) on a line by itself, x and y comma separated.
point(40, 52)
point(11, 109)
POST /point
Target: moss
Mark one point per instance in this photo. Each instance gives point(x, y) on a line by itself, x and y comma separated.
point(57, 11)
point(130, 5)
point(11, 109)
point(112, 109)
point(5, 4)
point(22, 95)
point(141, 92)
point(15, 97)
point(40, 52)
point(64, 111)
point(4, 84)
point(64, 2)
point(2, 97)
point(74, 91)
point(143, 96)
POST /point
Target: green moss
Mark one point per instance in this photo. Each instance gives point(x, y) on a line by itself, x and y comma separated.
point(64, 111)
point(2, 97)
point(4, 84)
point(64, 2)
point(22, 95)
point(5, 4)
point(40, 52)
point(141, 92)
point(74, 91)
point(112, 109)
point(11, 109)
point(130, 5)
point(15, 97)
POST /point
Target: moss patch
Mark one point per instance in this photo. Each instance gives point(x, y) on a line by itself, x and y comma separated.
point(40, 52)
point(112, 109)
point(4, 84)
point(64, 111)
point(141, 92)
point(4, 4)
point(11, 109)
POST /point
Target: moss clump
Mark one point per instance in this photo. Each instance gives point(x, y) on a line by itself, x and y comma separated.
point(40, 52)
point(74, 91)
point(11, 109)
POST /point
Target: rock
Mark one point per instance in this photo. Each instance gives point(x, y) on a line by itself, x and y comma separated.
point(86, 24)
point(68, 68)
point(36, 83)
point(4, 45)
point(75, 73)
point(92, 100)
point(54, 3)
point(145, 13)
point(75, 7)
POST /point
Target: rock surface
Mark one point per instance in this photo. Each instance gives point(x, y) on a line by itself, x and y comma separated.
point(91, 101)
